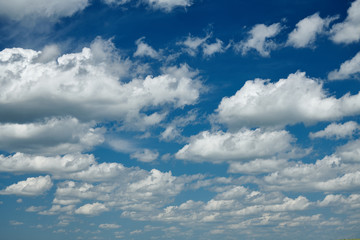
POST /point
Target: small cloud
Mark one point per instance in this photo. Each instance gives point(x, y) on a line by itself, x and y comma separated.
point(109, 226)
point(15, 223)
point(92, 209)
point(145, 155)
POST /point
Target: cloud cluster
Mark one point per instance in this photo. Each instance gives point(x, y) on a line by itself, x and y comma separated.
point(32, 186)
point(348, 70)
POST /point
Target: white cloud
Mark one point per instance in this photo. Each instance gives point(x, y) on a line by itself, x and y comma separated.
point(242, 145)
point(88, 86)
point(56, 165)
point(15, 223)
point(350, 152)
point(109, 226)
point(146, 155)
point(18, 9)
point(192, 44)
point(259, 39)
point(30, 187)
point(337, 131)
point(288, 101)
point(258, 166)
point(348, 31)
point(143, 49)
point(348, 70)
point(92, 209)
point(212, 48)
point(307, 30)
point(168, 5)
point(51, 136)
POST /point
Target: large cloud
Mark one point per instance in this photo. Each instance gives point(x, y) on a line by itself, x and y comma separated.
point(288, 101)
point(32, 186)
point(242, 145)
point(349, 69)
point(88, 85)
point(349, 30)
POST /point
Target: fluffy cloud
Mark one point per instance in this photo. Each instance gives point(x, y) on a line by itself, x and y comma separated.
point(348, 31)
point(192, 44)
point(145, 155)
point(57, 165)
point(168, 5)
point(337, 131)
point(259, 39)
point(258, 166)
point(350, 152)
point(143, 49)
point(88, 86)
point(92, 209)
point(19, 9)
point(30, 187)
point(212, 48)
point(306, 31)
point(242, 145)
point(348, 69)
point(288, 101)
point(51, 136)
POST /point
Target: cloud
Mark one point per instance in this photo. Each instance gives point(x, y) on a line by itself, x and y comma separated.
point(168, 5)
point(30, 187)
point(88, 86)
point(92, 209)
point(109, 226)
point(143, 50)
point(19, 9)
point(212, 48)
point(337, 131)
point(146, 155)
point(306, 31)
point(15, 223)
point(259, 39)
point(349, 69)
point(348, 31)
point(289, 101)
point(245, 144)
point(258, 166)
point(192, 44)
point(51, 136)
point(57, 165)
point(350, 152)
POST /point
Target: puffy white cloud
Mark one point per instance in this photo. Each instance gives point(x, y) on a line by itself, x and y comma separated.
point(337, 131)
point(19, 9)
point(92, 209)
point(258, 166)
point(245, 144)
point(348, 70)
point(350, 152)
point(32, 186)
point(288, 101)
point(307, 30)
point(352, 201)
point(146, 155)
point(88, 85)
point(109, 226)
point(349, 30)
point(57, 165)
point(143, 49)
point(51, 136)
point(192, 44)
point(212, 48)
point(259, 39)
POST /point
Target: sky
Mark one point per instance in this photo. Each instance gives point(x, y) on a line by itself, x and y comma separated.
point(179, 119)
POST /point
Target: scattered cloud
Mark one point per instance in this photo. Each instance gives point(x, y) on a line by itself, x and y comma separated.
point(15, 223)
point(337, 131)
point(92, 209)
point(348, 31)
point(306, 31)
point(146, 155)
point(260, 39)
point(212, 48)
point(109, 226)
point(168, 5)
point(348, 70)
point(143, 50)
point(32, 186)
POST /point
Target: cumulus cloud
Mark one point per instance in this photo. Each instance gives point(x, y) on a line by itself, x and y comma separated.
point(348, 31)
point(288, 101)
point(109, 226)
point(306, 31)
point(56, 165)
point(92, 209)
point(88, 86)
point(349, 69)
point(143, 49)
point(242, 145)
point(192, 44)
point(49, 137)
point(19, 9)
point(337, 131)
point(260, 39)
point(258, 166)
point(212, 48)
point(32, 186)
point(146, 155)
point(350, 152)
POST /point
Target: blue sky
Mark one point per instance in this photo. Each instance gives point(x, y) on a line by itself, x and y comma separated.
point(179, 119)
